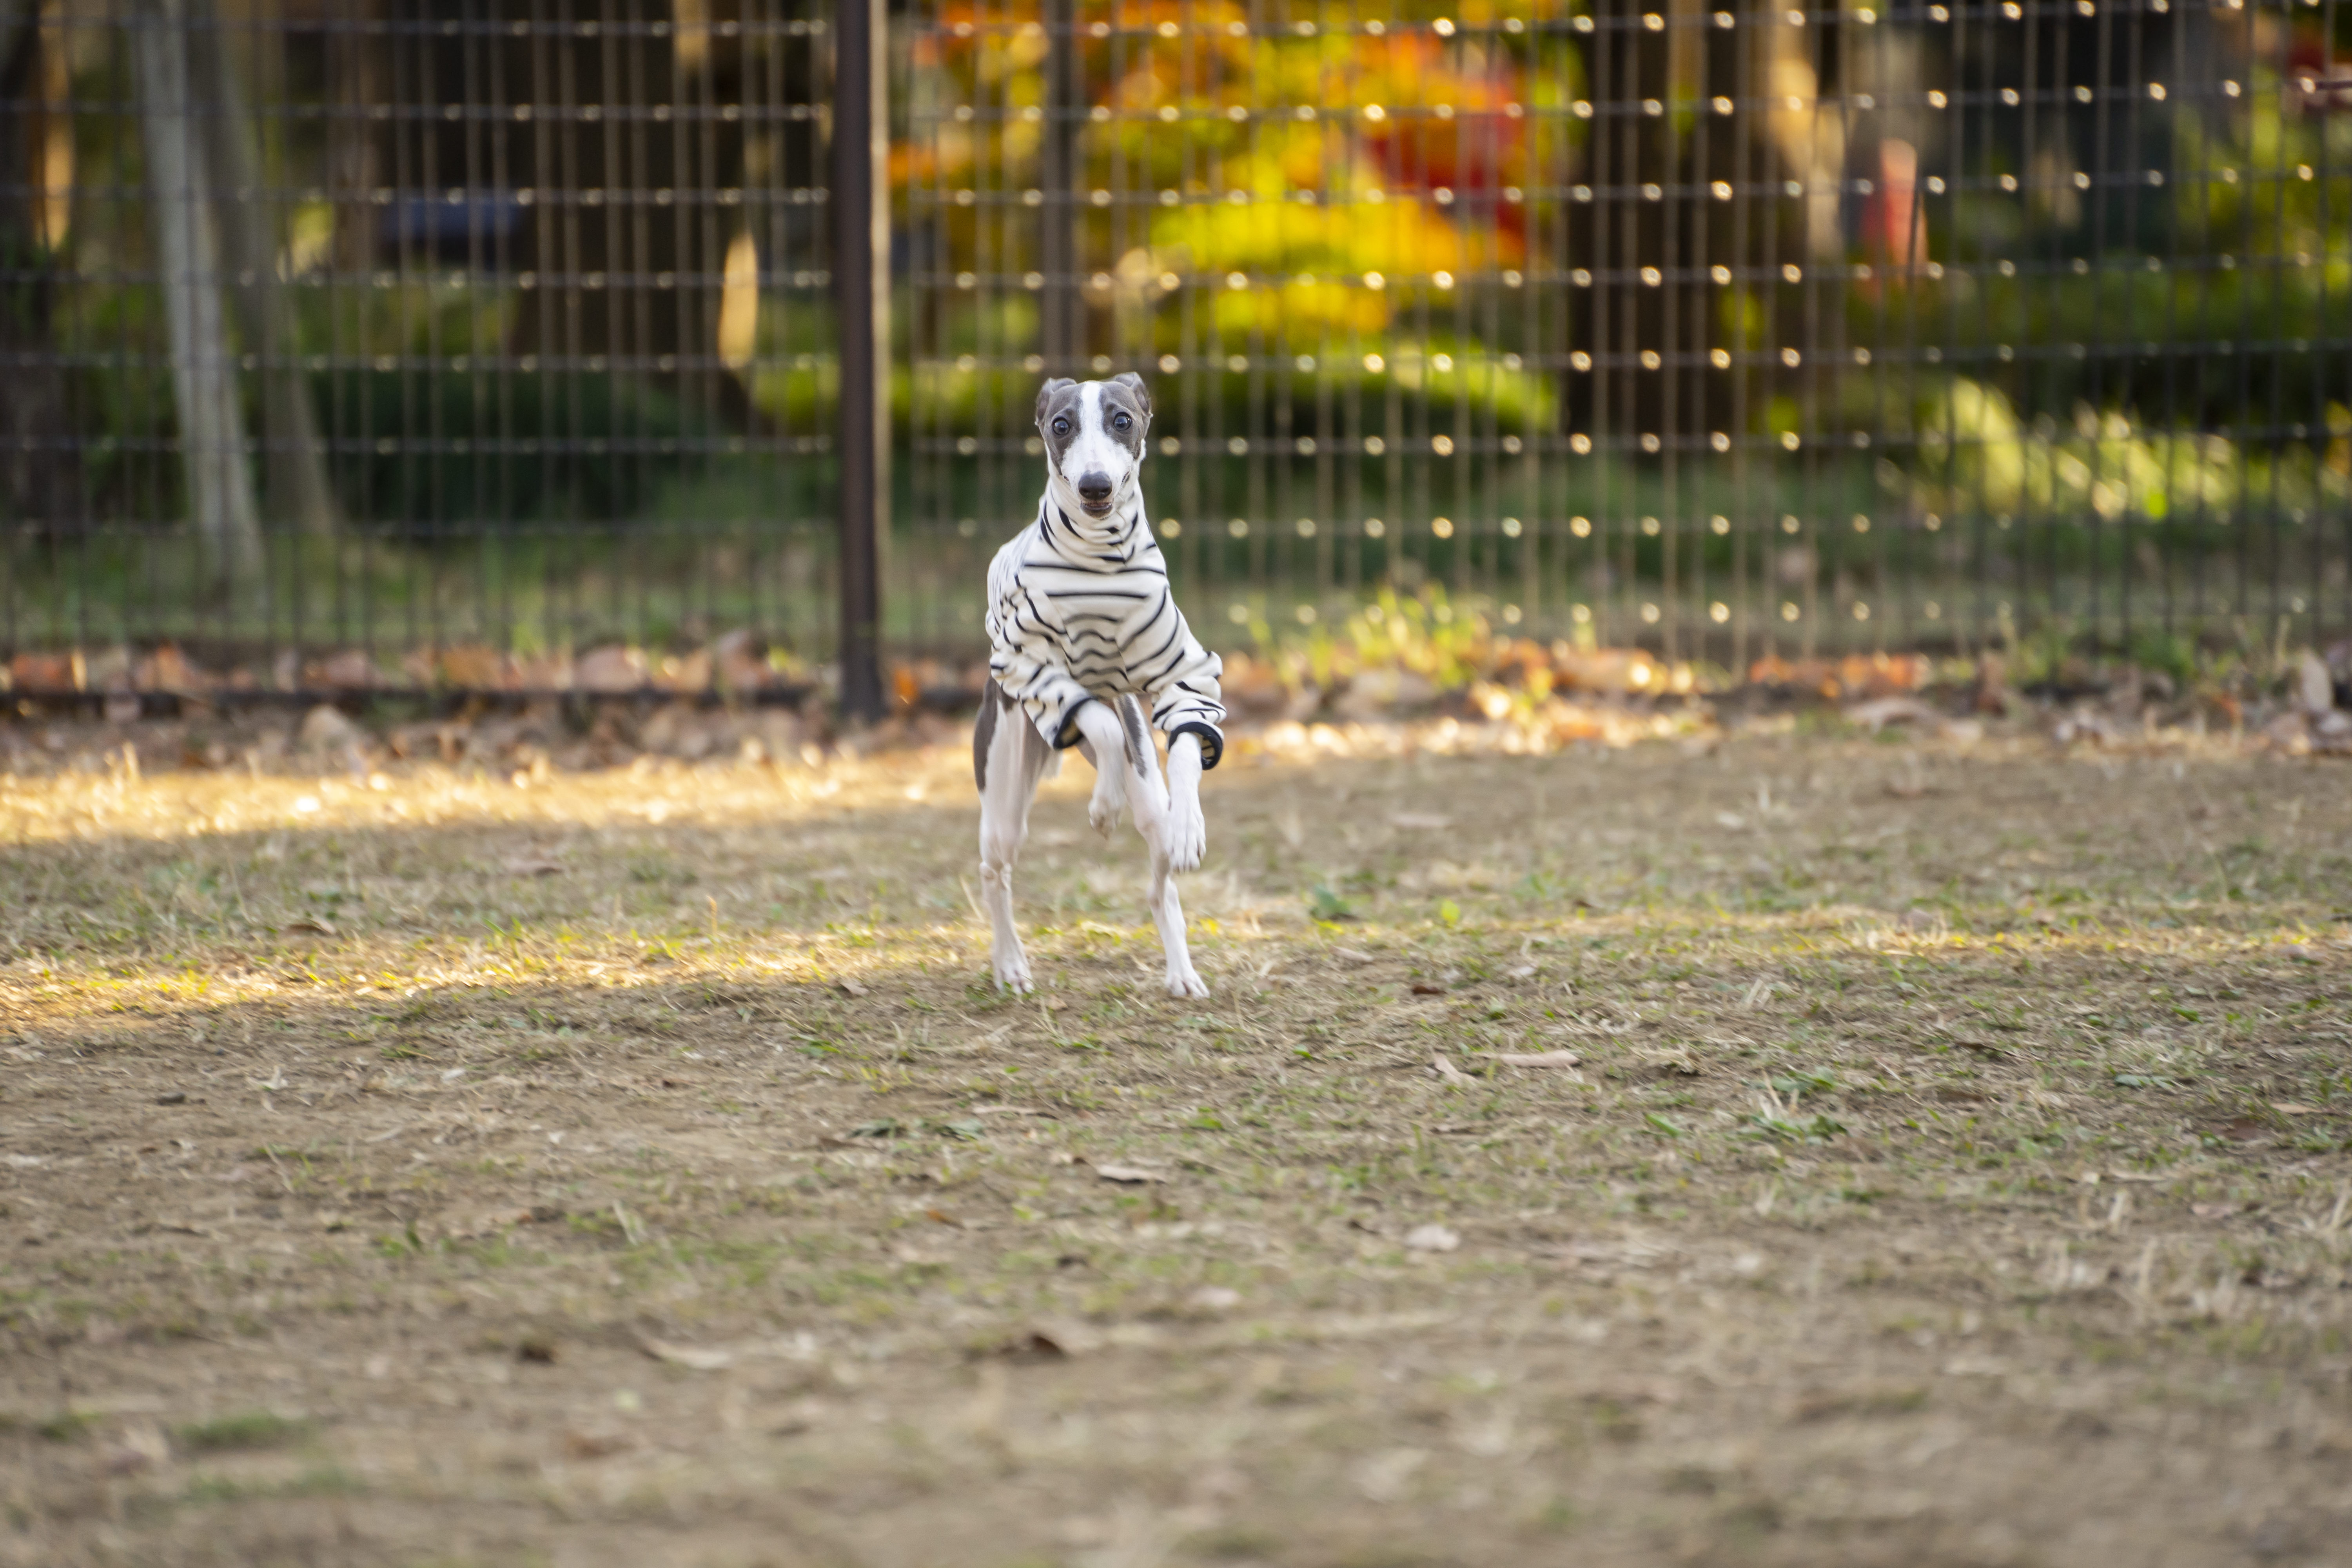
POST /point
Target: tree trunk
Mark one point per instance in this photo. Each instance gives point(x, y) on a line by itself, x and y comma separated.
point(40, 470)
point(188, 256)
point(355, 87)
point(294, 465)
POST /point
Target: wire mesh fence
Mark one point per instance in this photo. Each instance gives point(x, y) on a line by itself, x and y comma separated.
point(448, 341)
point(495, 342)
point(1738, 332)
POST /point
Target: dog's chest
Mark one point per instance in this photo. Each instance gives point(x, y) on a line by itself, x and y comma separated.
point(1109, 610)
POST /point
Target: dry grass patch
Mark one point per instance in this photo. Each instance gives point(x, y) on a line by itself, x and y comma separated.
point(636, 1167)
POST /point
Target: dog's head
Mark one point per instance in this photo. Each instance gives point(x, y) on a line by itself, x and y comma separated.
point(1094, 440)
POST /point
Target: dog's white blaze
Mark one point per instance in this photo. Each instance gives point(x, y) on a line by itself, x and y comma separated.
point(1095, 449)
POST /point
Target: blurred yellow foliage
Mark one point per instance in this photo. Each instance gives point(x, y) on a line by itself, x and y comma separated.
point(1975, 453)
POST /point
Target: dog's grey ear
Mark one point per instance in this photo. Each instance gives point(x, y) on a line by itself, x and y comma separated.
point(1134, 384)
point(1045, 394)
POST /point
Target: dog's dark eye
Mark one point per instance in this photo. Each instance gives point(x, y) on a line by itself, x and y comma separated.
point(1061, 427)
point(1122, 422)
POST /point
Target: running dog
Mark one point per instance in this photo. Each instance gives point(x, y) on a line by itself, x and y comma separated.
point(1082, 633)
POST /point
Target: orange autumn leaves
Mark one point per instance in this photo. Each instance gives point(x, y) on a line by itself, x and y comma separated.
point(1311, 182)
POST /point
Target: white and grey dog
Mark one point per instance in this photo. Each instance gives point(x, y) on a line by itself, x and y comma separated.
point(1081, 632)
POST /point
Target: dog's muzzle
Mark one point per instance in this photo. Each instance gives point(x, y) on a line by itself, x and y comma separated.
point(1094, 493)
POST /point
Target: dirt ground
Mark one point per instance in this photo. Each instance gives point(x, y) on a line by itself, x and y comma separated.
point(634, 1168)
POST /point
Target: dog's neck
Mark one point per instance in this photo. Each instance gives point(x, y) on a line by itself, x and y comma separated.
point(1126, 510)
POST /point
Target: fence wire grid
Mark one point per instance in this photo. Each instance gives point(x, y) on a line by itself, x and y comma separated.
point(487, 343)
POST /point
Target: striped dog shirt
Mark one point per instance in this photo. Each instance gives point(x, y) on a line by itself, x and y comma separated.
point(1079, 608)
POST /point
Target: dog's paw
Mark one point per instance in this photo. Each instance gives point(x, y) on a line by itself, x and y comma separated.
point(1187, 835)
point(1186, 981)
point(1012, 974)
point(1108, 800)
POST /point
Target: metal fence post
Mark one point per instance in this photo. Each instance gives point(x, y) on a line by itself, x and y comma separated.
point(861, 290)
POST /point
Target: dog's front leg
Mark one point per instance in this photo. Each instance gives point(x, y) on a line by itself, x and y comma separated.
point(1110, 786)
point(1188, 831)
point(1102, 741)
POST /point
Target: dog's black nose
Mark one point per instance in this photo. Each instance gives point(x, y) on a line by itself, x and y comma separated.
point(1094, 487)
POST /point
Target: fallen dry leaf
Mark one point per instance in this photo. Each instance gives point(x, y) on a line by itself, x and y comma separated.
point(2288, 1107)
point(1976, 1366)
point(1448, 1071)
point(1130, 1174)
point(850, 987)
point(142, 1445)
point(1383, 1477)
point(1354, 955)
point(1879, 712)
point(694, 1358)
point(592, 1445)
point(1427, 988)
point(1537, 1058)
point(312, 924)
point(1034, 1344)
point(1634, 1254)
point(1432, 1239)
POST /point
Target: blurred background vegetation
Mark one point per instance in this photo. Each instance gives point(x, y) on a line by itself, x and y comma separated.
point(404, 325)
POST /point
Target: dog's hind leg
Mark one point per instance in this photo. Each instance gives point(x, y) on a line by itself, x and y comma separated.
point(1008, 758)
point(1123, 734)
